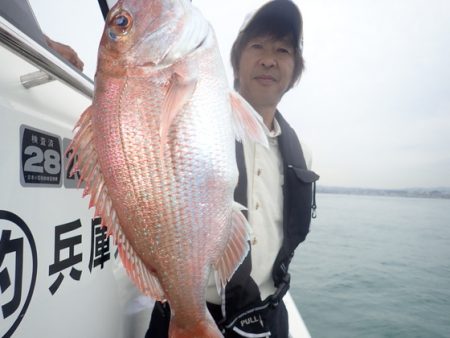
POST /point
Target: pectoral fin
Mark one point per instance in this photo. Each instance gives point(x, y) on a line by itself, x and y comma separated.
point(179, 92)
point(246, 121)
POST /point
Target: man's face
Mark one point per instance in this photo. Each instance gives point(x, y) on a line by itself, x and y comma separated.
point(265, 70)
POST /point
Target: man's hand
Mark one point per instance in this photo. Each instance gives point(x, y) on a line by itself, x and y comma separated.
point(66, 52)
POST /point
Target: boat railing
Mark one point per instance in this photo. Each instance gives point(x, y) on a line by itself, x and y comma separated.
point(50, 64)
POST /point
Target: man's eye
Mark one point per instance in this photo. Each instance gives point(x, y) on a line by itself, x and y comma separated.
point(283, 50)
point(256, 46)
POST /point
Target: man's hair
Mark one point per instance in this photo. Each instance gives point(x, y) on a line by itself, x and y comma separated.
point(277, 30)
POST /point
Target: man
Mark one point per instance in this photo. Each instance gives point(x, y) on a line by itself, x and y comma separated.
point(275, 184)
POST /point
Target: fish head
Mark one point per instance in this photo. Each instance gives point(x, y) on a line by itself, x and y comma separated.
point(152, 33)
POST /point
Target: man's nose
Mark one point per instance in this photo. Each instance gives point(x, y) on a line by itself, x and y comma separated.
point(268, 60)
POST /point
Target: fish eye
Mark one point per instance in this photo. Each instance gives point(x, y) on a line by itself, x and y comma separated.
point(121, 21)
point(120, 24)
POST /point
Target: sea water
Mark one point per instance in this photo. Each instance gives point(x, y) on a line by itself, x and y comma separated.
point(375, 266)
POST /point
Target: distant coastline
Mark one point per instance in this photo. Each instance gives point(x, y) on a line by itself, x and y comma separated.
point(410, 192)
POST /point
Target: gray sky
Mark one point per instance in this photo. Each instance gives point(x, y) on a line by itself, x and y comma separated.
point(374, 102)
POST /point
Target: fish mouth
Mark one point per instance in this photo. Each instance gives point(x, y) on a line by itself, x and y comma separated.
point(147, 64)
point(167, 60)
point(200, 44)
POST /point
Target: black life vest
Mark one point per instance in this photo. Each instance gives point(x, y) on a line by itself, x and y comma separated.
point(242, 296)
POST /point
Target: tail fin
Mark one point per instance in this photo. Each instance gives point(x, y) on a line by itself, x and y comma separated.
point(202, 329)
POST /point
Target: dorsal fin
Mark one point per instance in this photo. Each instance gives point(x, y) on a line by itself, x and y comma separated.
point(82, 148)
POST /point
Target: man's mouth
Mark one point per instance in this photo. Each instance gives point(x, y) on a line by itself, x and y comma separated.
point(265, 79)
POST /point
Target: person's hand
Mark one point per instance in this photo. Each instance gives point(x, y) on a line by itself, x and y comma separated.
point(66, 52)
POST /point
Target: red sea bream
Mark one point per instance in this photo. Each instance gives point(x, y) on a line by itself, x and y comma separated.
point(157, 152)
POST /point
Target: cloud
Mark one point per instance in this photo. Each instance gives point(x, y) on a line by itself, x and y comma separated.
point(373, 102)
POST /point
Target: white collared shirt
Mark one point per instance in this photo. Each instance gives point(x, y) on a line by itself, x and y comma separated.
point(265, 178)
point(265, 206)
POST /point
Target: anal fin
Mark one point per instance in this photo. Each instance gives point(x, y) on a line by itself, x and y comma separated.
point(236, 249)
